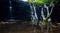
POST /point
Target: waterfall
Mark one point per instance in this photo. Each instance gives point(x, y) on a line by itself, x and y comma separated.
point(44, 14)
point(33, 13)
point(47, 10)
point(34, 17)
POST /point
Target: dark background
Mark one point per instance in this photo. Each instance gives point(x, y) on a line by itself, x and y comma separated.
point(21, 11)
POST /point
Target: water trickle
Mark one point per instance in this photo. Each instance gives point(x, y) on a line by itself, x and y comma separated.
point(42, 14)
point(10, 8)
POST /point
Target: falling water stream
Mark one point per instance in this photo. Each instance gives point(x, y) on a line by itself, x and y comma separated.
point(11, 15)
point(10, 7)
point(34, 16)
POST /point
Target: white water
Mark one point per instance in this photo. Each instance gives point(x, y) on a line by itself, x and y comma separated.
point(33, 17)
point(42, 14)
point(42, 11)
point(33, 13)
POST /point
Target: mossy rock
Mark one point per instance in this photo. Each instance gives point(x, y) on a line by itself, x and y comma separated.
point(43, 23)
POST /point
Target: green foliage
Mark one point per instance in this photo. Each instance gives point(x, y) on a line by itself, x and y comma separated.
point(53, 2)
point(50, 2)
point(42, 23)
point(39, 1)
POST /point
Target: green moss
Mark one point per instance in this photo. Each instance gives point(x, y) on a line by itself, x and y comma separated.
point(39, 1)
point(42, 23)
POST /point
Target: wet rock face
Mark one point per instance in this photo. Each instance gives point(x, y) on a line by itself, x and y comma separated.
point(4, 4)
point(56, 13)
point(20, 10)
